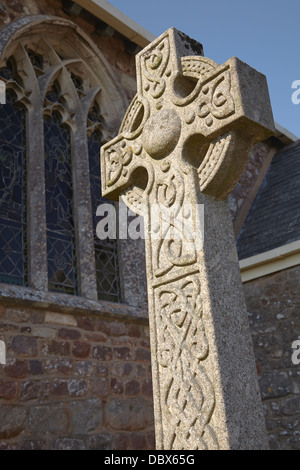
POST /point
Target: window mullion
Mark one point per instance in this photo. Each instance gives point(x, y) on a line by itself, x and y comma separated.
point(37, 240)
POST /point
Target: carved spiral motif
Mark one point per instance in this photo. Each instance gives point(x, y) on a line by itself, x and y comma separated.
point(117, 157)
point(154, 66)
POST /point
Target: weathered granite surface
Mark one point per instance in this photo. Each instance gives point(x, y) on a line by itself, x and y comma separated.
point(184, 142)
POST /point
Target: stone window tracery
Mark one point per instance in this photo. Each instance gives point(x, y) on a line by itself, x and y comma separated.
point(56, 100)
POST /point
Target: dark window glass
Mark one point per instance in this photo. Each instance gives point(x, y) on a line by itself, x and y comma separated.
point(13, 248)
point(36, 59)
point(10, 71)
point(61, 248)
point(106, 255)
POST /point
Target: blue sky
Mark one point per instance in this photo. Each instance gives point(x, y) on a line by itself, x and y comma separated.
point(263, 33)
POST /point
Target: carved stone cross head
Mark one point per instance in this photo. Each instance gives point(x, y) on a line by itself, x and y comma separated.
point(189, 113)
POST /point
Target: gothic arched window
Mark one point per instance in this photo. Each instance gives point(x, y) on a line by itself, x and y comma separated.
point(62, 104)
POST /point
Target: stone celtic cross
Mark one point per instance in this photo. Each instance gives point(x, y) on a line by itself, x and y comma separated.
point(183, 143)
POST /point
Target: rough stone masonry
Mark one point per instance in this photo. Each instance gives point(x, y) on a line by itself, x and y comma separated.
point(183, 143)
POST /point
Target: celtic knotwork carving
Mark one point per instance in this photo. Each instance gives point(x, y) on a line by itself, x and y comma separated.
point(154, 65)
point(215, 100)
point(175, 245)
point(170, 191)
point(117, 157)
point(188, 397)
point(211, 100)
point(174, 252)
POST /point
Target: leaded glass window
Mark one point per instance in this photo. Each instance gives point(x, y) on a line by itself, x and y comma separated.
point(13, 246)
point(61, 247)
point(106, 254)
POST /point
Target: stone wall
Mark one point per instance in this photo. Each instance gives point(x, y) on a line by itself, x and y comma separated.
point(273, 304)
point(74, 382)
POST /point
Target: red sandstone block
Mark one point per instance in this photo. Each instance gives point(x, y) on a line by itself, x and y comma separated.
point(145, 343)
point(8, 389)
point(65, 333)
point(81, 349)
point(16, 368)
point(103, 326)
point(86, 323)
point(59, 387)
point(95, 337)
point(134, 330)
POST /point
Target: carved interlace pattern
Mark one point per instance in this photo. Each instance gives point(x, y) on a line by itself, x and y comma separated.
point(187, 393)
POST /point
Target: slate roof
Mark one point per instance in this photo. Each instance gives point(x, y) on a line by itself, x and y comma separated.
point(274, 218)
